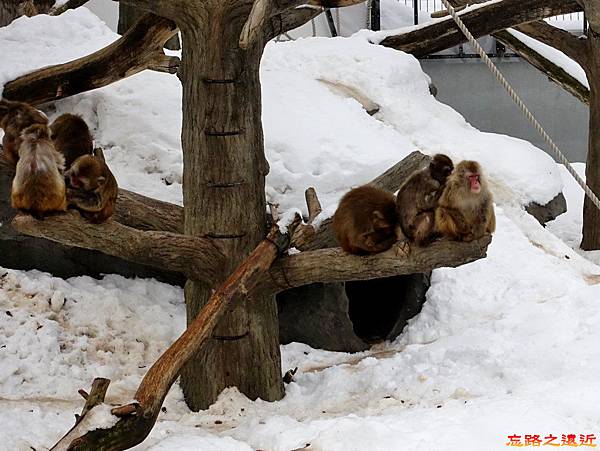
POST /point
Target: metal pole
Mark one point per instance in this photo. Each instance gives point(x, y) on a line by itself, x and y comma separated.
point(416, 11)
point(376, 15)
point(331, 23)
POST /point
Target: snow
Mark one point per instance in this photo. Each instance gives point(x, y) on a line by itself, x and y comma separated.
point(556, 56)
point(504, 345)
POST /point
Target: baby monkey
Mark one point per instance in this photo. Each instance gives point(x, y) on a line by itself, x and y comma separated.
point(418, 197)
point(91, 187)
point(365, 220)
point(14, 118)
point(38, 186)
point(465, 210)
point(71, 137)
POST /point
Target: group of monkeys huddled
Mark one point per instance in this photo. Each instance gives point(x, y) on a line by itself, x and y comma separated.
point(440, 201)
point(57, 166)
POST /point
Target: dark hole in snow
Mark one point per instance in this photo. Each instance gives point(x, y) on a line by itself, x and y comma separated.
point(380, 308)
point(349, 317)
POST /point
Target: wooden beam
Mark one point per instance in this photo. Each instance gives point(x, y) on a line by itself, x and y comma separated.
point(481, 21)
point(197, 258)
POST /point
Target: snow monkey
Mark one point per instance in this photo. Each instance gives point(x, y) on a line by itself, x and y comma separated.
point(71, 137)
point(14, 118)
point(92, 188)
point(465, 210)
point(38, 186)
point(365, 220)
point(418, 197)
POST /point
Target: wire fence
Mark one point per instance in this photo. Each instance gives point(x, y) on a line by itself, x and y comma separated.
point(577, 19)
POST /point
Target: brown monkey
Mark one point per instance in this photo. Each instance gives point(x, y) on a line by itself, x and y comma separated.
point(365, 220)
point(92, 188)
point(14, 118)
point(38, 186)
point(418, 197)
point(71, 137)
point(465, 210)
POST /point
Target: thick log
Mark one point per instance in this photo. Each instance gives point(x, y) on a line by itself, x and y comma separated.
point(389, 180)
point(335, 265)
point(198, 258)
point(146, 213)
point(481, 21)
point(134, 428)
point(139, 49)
point(70, 4)
point(562, 40)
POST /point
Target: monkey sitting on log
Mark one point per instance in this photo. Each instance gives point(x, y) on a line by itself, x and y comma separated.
point(91, 187)
point(418, 197)
point(71, 137)
point(465, 210)
point(365, 221)
point(38, 186)
point(14, 118)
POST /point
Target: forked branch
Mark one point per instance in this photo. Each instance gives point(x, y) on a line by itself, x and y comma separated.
point(136, 420)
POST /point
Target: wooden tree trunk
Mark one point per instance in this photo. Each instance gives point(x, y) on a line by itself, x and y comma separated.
point(224, 199)
point(129, 15)
point(591, 214)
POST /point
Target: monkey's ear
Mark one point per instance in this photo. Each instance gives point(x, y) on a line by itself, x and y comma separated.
point(101, 180)
point(98, 153)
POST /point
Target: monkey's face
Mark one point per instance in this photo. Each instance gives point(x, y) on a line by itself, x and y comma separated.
point(85, 174)
point(470, 173)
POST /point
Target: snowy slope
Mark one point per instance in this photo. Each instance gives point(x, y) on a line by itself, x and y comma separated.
point(505, 345)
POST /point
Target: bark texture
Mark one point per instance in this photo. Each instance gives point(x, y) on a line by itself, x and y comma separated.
point(224, 197)
point(129, 15)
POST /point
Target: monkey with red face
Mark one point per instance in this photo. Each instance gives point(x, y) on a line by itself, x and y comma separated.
point(465, 210)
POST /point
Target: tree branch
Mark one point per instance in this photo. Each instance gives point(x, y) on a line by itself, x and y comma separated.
point(481, 21)
point(140, 48)
point(561, 40)
point(197, 258)
point(170, 9)
point(556, 73)
point(335, 265)
point(71, 4)
point(253, 28)
point(289, 20)
point(389, 180)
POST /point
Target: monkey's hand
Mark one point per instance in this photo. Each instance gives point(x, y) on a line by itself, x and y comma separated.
point(85, 200)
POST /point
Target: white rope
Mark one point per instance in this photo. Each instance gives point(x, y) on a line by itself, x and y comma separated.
point(553, 147)
point(369, 9)
point(314, 28)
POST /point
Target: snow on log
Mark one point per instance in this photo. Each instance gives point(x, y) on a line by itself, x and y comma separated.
point(480, 20)
point(139, 49)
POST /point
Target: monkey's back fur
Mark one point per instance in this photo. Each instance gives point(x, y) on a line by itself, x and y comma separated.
point(38, 186)
point(365, 220)
point(71, 137)
point(14, 118)
point(418, 197)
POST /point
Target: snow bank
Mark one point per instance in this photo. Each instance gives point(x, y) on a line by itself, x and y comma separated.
point(308, 137)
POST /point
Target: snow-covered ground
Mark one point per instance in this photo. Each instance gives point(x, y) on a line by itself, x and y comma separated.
point(505, 345)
